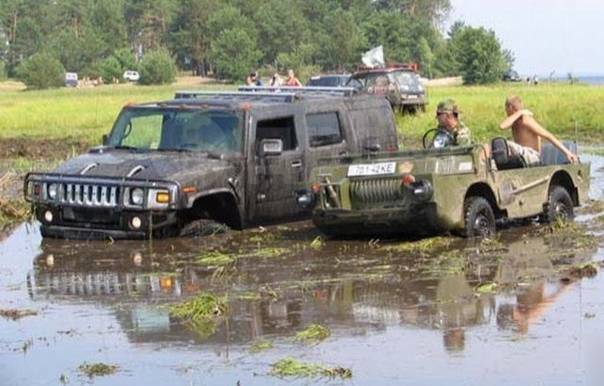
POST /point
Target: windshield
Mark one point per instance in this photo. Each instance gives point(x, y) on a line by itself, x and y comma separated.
point(177, 129)
point(328, 81)
point(406, 78)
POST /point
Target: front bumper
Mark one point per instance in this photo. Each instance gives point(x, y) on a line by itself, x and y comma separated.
point(413, 101)
point(88, 223)
point(85, 207)
point(417, 220)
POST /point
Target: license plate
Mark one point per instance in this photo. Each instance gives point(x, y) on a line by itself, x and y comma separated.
point(378, 169)
point(411, 96)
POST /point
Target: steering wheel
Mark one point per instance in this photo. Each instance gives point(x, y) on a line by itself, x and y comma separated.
point(437, 139)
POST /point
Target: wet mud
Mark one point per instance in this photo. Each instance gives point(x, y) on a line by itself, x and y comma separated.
point(284, 304)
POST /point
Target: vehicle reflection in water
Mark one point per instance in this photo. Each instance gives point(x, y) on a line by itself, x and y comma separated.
point(277, 297)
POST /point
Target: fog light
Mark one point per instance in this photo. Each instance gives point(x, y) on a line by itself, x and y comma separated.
point(48, 216)
point(136, 222)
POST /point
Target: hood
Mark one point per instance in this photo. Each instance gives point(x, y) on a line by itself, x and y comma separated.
point(171, 166)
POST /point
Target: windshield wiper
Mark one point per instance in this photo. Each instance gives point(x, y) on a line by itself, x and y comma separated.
point(177, 149)
point(124, 147)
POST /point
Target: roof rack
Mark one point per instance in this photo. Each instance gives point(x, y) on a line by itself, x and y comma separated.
point(224, 95)
point(307, 90)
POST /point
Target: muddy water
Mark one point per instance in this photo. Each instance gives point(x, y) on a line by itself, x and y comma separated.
point(397, 315)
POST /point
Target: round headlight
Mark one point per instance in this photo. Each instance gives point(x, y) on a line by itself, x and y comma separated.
point(52, 191)
point(137, 196)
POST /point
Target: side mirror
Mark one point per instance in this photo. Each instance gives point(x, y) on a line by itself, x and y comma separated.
point(104, 139)
point(371, 145)
point(270, 147)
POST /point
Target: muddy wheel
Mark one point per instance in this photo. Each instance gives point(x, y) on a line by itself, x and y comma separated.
point(559, 206)
point(479, 218)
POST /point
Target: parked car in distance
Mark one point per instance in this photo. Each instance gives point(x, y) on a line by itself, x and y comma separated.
point(442, 189)
point(511, 76)
point(400, 85)
point(233, 157)
point(71, 79)
point(328, 80)
point(131, 76)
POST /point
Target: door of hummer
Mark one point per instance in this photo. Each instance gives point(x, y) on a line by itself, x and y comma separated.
point(277, 174)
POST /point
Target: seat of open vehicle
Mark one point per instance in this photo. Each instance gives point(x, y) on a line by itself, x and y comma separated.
point(551, 155)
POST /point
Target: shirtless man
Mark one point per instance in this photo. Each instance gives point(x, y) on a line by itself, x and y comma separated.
point(528, 132)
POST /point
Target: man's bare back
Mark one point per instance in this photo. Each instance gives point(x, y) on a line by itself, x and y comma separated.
point(527, 132)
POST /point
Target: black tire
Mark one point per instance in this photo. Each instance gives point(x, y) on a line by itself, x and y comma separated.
point(559, 205)
point(479, 219)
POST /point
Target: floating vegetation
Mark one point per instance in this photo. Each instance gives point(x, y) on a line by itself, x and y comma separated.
point(269, 252)
point(450, 263)
point(97, 369)
point(569, 235)
point(15, 314)
point(249, 296)
point(491, 245)
point(13, 211)
point(201, 314)
point(313, 333)
point(583, 270)
point(487, 288)
point(290, 367)
point(261, 346)
point(422, 247)
point(216, 259)
point(317, 243)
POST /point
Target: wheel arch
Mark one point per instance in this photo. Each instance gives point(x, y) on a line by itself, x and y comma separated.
point(482, 189)
point(221, 205)
point(563, 179)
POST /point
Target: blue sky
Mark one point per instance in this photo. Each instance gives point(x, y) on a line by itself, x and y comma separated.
point(545, 35)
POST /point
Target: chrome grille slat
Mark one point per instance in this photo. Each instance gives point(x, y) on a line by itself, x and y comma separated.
point(90, 195)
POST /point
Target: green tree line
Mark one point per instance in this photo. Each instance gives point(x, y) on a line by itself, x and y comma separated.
point(228, 38)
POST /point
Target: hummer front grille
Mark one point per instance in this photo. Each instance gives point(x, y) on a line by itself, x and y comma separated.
point(374, 191)
point(88, 195)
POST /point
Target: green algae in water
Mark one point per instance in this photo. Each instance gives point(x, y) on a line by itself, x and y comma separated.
point(268, 252)
point(313, 333)
point(204, 306)
point(261, 346)
point(422, 247)
point(487, 288)
point(317, 243)
point(216, 259)
point(201, 314)
point(97, 369)
point(290, 367)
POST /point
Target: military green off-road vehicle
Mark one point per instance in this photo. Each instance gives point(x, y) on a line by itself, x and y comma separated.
point(441, 189)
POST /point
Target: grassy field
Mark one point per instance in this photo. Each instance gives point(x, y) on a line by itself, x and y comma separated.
point(569, 111)
point(88, 113)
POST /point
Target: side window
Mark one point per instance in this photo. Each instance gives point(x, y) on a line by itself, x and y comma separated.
point(324, 129)
point(282, 128)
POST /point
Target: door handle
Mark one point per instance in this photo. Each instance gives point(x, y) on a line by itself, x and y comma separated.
point(296, 164)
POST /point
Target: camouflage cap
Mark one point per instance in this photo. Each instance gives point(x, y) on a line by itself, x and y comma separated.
point(447, 106)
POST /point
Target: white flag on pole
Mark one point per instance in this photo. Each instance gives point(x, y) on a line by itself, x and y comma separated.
point(374, 57)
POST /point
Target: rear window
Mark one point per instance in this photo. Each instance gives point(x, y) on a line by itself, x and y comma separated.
point(324, 129)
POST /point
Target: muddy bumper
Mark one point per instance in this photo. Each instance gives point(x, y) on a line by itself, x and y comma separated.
point(86, 223)
point(420, 219)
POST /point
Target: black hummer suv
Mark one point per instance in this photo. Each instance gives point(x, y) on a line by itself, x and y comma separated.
point(233, 157)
